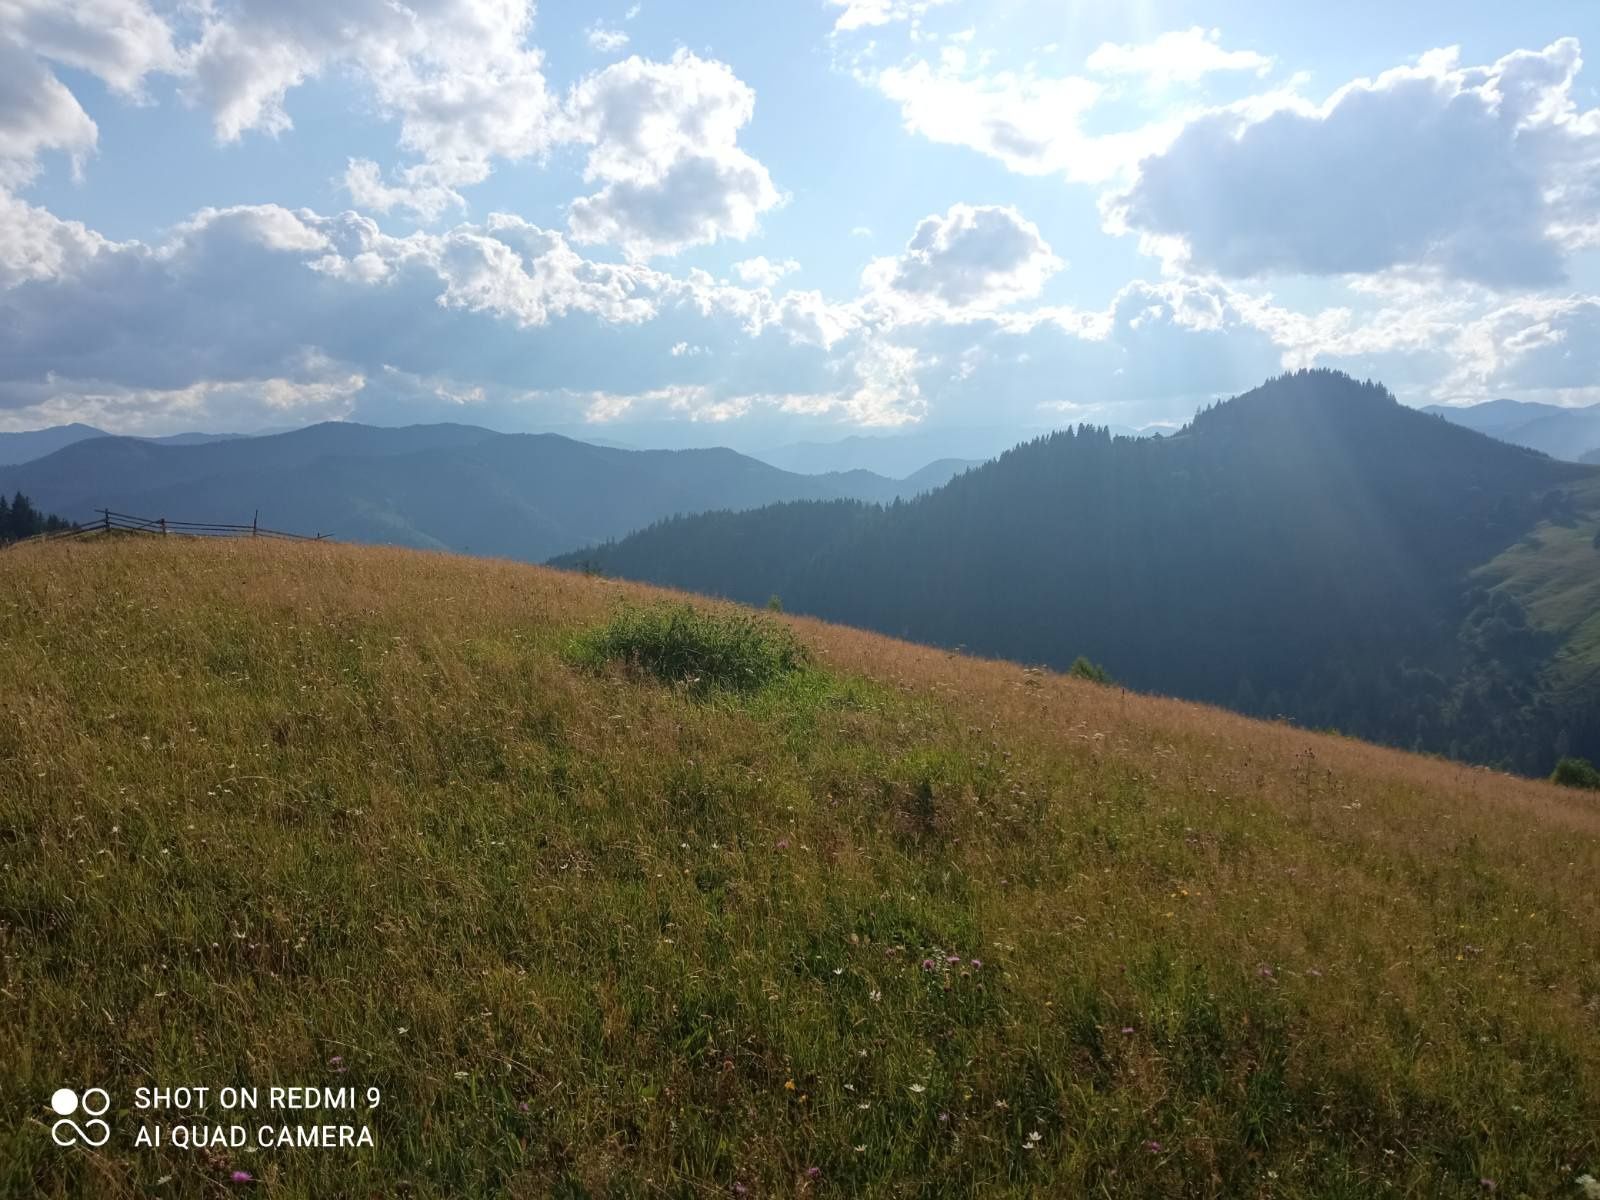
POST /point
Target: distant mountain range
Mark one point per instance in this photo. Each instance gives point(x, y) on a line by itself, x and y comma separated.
point(456, 487)
point(899, 454)
point(36, 443)
point(1568, 433)
point(1311, 548)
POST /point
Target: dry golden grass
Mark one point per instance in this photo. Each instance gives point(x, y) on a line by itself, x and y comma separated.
point(268, 806)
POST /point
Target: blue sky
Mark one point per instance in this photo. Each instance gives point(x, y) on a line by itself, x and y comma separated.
point(696, 223)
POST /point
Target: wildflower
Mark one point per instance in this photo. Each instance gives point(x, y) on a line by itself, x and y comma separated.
point(944, 1118)
point(977, 964)
point(927, 964)
point(1590, 1186)
point(788, 1085)
point(862, 1149)
point(241, 1177)
point(1035, 1136)
point(875, 995)
point(783, 843)
point(918, 1088)
point(1127, 1029)
point(1153, 1147)
point(953, 959)
point(813, 1172)
point(739, 1189)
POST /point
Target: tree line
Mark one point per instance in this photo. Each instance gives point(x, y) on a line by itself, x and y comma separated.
point(19, 519)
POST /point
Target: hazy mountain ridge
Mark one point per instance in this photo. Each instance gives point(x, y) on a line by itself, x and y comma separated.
point(1305, 548)
point(32, 444)
point(456, 487)
point(1566, 433)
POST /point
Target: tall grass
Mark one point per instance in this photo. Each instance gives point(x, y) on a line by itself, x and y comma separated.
point(702, 650)
point(898, 924)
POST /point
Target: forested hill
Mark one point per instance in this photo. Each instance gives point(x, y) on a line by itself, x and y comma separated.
point(1311, 548)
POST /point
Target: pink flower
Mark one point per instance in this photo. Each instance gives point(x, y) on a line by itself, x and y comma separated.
point(927, 964)
point(241, 1177)
point(977, 964)
point(783, 843)
point(813, 1172)
point(1127, 1029)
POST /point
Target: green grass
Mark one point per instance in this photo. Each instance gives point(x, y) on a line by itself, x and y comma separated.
point(703, 651)
point(894, 924)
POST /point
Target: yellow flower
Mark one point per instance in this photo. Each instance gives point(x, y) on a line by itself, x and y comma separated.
point(789, 1086)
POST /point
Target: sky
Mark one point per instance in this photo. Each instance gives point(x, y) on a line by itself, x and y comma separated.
point(698, 222)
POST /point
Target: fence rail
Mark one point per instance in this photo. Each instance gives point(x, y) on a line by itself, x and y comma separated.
point(116, 522)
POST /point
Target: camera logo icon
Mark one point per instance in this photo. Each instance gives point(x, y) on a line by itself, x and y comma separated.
point(93, 1132)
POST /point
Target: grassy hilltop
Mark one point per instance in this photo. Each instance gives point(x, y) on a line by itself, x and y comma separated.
point(896, 922)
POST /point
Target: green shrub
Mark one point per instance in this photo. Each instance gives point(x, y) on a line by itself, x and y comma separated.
point(1082, 668)
point(1576, 772)
point(701, 649)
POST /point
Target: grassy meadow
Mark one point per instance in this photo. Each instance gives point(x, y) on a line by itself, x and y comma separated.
point(889, 922)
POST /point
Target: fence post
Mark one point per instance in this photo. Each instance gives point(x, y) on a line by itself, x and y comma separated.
point(254, 521)
point(163, 526)
point(106, 513)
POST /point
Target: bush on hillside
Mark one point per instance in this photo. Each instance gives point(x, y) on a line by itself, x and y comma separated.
point(700, 649)
point(1576, 772)
point(1082, 668)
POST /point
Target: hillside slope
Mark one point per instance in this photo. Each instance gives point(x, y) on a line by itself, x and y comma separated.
point(904, 923)
point(1305, 549)
point(455, 487)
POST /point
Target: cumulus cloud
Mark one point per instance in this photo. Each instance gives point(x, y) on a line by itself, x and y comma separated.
point(458, 76)
point(1032, 123)
point(38, 245)
point(1488, 174)
point(863, 14)
point(760, 272)
point(664, 146)
point(37, 114)
point(970, 258)
point(121, 41)
point(1182, 56)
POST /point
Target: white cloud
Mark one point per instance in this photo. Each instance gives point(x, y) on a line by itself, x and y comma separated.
point(37, 114)
point(1184, 56)
point(603, 40)
point(1489, 174)
point(760, 272)
point(664, 147)
point(121, 41)
point(969, 259)
point(1032, 123)
point(863, 14)
point(458, 76)
point(37, 245)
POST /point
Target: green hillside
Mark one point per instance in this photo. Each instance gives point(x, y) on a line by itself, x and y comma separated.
point(1311, 549)
point(840, 916)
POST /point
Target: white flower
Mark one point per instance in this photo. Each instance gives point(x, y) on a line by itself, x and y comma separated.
point(1590, 1186)
point(918, 1088)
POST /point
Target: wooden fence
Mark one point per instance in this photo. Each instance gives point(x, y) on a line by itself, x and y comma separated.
point(115, 522)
